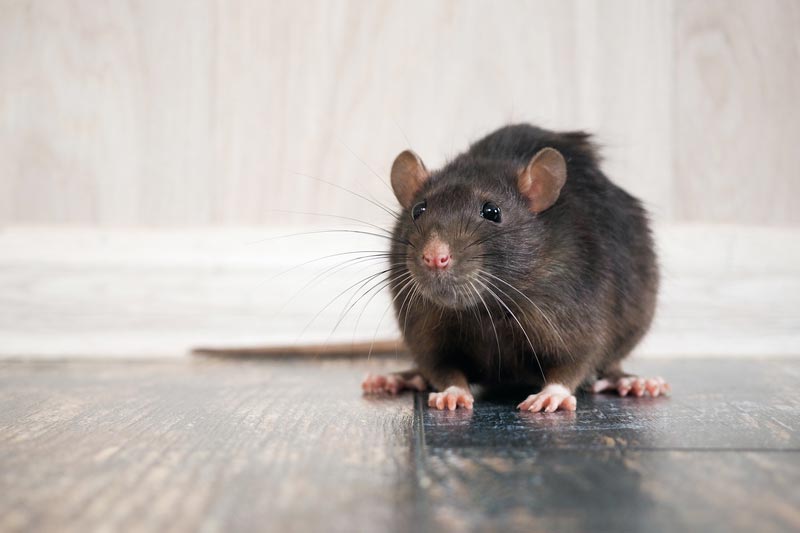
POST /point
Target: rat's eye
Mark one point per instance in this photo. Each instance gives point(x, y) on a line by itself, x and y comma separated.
point(489, 211)
point(418, 209)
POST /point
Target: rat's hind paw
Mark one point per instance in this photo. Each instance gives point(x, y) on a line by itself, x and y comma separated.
point(633, 384)
point(391, 383)
point(451, 398)
point(551, 397)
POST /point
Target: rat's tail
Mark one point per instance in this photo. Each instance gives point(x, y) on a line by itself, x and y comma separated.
point(348, 350)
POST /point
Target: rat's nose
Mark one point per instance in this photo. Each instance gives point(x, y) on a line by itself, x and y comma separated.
point(436, 254)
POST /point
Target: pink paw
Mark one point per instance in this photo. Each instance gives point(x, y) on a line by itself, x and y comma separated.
point(391, 383)
point(451, 398)
point(551, 397)
point(634, 384)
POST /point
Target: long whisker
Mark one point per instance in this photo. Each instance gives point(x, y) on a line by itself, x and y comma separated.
point(331, 215)
point(342, 293)
point(380, 287)
point(491, 321)
point(500, 301)
point(378, 327)
point(363, 162)
point(345, 189)
point(324, 231)
point(408, 142)
point(348, 306)
point(327, 273)
point(403, 306)
point(339, 254)
point(414, 295)
point(414, 286)
point(539, 309)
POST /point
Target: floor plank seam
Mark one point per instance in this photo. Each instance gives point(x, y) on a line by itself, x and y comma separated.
point(419, 456)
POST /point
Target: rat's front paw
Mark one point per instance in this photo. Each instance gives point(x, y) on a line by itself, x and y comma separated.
point(451, 398)
point(551, 397)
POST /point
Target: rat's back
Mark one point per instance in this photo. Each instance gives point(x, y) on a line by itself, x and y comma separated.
point(519, 142)
point(607, 227)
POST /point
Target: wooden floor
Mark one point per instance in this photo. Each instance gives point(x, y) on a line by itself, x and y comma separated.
point(210, 445)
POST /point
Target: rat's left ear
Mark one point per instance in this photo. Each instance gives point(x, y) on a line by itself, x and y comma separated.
point(541, 181)
point(408, 175)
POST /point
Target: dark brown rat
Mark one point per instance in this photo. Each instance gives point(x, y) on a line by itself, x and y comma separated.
point(519, 262)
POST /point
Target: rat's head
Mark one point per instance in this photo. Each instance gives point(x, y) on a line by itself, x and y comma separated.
point(465, 230)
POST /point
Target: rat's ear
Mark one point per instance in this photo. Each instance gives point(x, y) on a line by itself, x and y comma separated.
point(408, 175)
point(541, 181)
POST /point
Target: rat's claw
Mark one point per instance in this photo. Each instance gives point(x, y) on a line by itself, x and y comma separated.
point(600, 385)
point(551, 398)
point(657, 386)
point(451, 398)
point(638, 386)
point(624, 386)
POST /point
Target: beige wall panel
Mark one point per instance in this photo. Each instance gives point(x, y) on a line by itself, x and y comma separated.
point(191, 113)
point(737, 112)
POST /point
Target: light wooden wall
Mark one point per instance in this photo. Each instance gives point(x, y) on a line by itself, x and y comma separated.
point(185, 112)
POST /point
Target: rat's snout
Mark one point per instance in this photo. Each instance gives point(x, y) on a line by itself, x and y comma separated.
point(436, 254)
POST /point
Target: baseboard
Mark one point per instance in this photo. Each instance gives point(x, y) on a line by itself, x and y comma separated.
point(727, 291)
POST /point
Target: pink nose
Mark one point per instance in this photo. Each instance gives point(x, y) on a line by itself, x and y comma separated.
point(436, 254)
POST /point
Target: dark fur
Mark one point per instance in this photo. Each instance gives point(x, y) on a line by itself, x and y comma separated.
point(587, 262)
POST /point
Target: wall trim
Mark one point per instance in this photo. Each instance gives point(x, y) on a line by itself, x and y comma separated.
point(727, 291)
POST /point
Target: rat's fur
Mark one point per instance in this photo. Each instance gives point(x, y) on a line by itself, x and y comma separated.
point(559, 296)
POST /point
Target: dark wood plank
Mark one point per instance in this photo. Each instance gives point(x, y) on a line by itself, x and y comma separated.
point(716, 403)
point(611, 490)
point(202, 445)
point(218, 445)
point(721, 454)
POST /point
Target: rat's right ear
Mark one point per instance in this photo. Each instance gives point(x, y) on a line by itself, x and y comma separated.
point(541, 180)
point(408, 175)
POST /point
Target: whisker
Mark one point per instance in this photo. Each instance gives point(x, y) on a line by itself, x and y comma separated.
point(380, 321)
point(500, 301)
point(392, 266)
point(491, 321)
point(380, 287)
point(352, 152)
point(329, 271)
point(539, 309)
point(403, 306)
point(331, 215)
point(374, 253)
point(408, 142)
point(414, 296)
point(324, 231)
point(348, 306)
point(345, 189)
point(342, 293)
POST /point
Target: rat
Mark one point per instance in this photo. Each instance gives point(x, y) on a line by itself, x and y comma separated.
point(519, 262)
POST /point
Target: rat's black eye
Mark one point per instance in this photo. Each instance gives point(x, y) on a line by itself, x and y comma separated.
point(418, 209)
point(489, 211)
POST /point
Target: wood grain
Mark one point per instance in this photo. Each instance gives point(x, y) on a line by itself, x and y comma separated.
point(209, 445)
point(720, 454)
point(194, 113)
point(204, 446)
point(737, 76)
